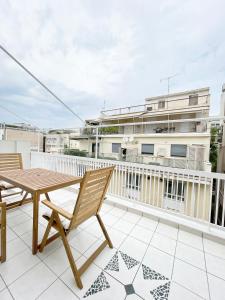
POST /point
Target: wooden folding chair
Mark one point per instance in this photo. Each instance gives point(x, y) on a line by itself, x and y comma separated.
point(11, 161)
point(3, 231)
point(89, 201)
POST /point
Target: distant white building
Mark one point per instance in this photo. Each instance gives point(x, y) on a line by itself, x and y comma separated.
point(168, 140)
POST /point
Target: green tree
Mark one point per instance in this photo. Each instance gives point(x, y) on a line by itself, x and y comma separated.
point(214, 148)
point(75, 152)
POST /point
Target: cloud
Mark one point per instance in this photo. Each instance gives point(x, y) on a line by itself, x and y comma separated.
point(91, 51)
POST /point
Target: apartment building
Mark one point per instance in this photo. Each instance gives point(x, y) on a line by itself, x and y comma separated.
point(22, 132)
point(58, 139)
point(168, 131)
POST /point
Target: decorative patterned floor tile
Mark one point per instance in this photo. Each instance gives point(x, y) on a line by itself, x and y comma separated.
point(129, 288)
point(148, 273)
point(129, 261)
point(161, 292)
point(113, 265)
point(99, 285)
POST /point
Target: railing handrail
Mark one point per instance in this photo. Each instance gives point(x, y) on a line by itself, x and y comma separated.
point(193, 173)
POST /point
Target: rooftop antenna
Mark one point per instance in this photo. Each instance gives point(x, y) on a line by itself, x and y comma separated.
point(168, 81)
point(104, 105)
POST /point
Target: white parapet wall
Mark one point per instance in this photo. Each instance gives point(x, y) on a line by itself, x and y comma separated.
point(17, 147)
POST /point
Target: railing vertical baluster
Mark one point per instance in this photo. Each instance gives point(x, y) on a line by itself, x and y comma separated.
point(217, 200)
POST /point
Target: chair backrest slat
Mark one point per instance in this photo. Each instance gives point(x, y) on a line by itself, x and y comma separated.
point(91, 194)
point(10, 161)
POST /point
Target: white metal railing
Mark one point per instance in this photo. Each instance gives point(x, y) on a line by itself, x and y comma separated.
point(193, 194)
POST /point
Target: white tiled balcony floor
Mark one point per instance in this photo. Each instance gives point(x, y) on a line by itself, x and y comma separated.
point(150, 260)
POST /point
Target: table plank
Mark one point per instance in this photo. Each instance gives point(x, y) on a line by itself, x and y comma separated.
point(41, 180)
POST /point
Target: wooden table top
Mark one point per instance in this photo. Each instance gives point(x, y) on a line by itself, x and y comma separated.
point(38, 180)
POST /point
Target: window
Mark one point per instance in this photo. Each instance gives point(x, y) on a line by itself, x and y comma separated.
point(116, 147)
point(147, 149)
point(193, 100)
point(133, 181)
point(179, 150)
point(162, 104)
point(174, 190)
point(149, 108)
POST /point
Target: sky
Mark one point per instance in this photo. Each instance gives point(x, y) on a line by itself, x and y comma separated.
point(114, 52)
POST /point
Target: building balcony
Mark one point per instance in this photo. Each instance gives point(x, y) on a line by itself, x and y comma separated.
point(178, 127)
point(166, 225)
point(160, 106)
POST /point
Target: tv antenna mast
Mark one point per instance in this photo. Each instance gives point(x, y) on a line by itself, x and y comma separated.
point(168, 78)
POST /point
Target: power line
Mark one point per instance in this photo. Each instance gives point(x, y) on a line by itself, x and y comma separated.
point(41, 83)
point(16, 115)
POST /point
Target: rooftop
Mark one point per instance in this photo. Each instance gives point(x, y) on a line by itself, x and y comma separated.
point(149, 257)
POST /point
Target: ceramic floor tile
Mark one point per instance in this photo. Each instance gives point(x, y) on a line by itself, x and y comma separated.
point(120, 266)
point(97, 284)
point(10, 235)
point(163, 243)
point(58, 291)
point(27, 236)
point(215, 265)
point(178, 292)
point(191, 278)
point(148, 223)
point(133, 297)
point(15, 247)
point(159, 261)
point(106, 208)
point(190, 255)
point(117, 237)
point(88, 222)
point(168, 230)
point(2, 284)
point(95, 229)
point(109, 219)
point(216, 287)
point(18, 265)
point(32, 283)
point(104, 257)
point(82, 241)
point(58, 261)
point(131, 217)
point(123, 226)
point(5, 295)
point(191, 239)
point(141, 234)
point(214, 248)
point(23, 227)
point(134, 248)
point(117, 212)
point(14, 221)
point(148, 281)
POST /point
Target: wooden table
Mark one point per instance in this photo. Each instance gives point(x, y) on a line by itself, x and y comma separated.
point(38, 181)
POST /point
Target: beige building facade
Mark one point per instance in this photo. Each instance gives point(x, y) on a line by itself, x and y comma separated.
point(168, 131)
point(22, 133)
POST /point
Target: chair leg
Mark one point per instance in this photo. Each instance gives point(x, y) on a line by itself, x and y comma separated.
point(3, 233)
point(47, 231)
point(104, 230)
point(24, 197)
point(69, 253)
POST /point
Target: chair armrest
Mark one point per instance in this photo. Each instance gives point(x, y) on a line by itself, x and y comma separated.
point(59, 210)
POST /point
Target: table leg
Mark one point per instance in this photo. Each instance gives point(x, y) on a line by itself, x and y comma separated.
point(36, 198)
